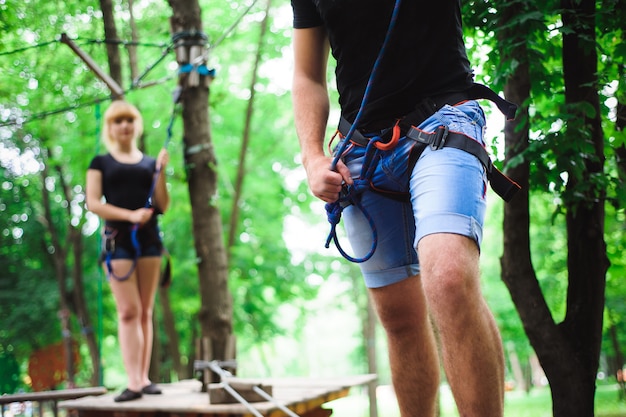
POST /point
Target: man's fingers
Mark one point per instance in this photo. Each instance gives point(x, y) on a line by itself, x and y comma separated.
point(344, 171)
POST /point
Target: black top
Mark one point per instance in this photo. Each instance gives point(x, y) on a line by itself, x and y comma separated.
point(425, 55)
point(125, 185)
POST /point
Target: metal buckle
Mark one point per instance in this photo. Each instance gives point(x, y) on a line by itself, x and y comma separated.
point(109, 240)
point(439, 140)
point(435, 140)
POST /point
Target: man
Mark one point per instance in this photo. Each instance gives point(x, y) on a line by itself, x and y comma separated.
point(426, 258)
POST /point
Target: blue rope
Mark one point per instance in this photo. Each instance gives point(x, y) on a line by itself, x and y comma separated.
point(370, 82)
point(351, 194)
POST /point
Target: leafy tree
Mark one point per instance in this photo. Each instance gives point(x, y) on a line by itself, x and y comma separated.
point(559, 125)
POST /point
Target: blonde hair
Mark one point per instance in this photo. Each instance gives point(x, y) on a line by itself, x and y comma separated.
point(120, 108)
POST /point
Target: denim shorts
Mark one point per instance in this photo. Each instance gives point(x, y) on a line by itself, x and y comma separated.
point(447, 189)
point(121, 252)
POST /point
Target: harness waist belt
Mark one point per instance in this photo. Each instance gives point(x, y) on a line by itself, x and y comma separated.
point(504, 186)
point(428, 106)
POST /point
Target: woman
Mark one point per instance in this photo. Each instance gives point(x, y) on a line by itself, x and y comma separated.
point(128, 179)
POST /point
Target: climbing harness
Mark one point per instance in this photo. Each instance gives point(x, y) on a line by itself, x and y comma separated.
point(443, 137)
point(407, 126)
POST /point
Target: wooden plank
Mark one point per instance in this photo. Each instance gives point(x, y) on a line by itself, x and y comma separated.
point(219, 394)
point(185, 399)
point(64, 394)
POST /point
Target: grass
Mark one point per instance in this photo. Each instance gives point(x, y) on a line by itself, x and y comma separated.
point(537, 403)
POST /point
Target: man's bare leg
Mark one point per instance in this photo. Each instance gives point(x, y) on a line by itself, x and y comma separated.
point(470, 340)
point(413, 355)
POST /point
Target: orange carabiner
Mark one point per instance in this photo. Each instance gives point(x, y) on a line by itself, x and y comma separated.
point(393, 142)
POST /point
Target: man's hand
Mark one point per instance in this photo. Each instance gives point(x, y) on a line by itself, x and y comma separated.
point(325, 183)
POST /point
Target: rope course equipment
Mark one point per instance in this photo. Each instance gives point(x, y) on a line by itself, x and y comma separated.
point(188, 68)
point(227, 380)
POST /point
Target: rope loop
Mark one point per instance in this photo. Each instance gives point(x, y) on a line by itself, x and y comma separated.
point(334, 210)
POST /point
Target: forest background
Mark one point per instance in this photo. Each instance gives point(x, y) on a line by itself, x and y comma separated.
point(298, 308)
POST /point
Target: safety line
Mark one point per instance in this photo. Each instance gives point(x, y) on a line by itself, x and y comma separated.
point(232, 27)
point(334, 209)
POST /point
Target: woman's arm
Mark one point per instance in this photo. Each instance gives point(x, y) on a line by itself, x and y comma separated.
point(161, 198)
point(107, 211)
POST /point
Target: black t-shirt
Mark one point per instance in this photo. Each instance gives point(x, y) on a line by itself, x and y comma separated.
point(425, 56)
point(128, 186)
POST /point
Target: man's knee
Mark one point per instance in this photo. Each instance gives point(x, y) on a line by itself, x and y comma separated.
point(401, 307)
point(449, 268)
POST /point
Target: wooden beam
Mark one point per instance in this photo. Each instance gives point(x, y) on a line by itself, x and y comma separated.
point(57, 395)
point(115, 88)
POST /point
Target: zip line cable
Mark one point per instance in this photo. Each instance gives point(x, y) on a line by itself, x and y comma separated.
point(233, 26)
point(134, 86)
point(85, 42)
point(26, 48)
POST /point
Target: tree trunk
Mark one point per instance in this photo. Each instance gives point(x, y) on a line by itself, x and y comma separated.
point(517, 269)
point(216, 306)
point(154, 369)
point(241, 166)
point(587, 260)
point(369, 321)
point(516, 367)
point(60, 269)
point(173, 343)
point(75, 239)
point(110, 34)
point(132, 48)
point(569, 351)
point(372, 363)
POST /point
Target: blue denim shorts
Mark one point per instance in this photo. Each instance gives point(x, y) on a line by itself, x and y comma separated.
point(447, 189)
point(123, 253)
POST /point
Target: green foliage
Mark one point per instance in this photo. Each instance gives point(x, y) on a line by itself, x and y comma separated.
point(560, 149)
point(9, 371)
point(28, 294)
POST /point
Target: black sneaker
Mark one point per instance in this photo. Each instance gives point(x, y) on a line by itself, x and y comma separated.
point(127, 395)
point(151, 389)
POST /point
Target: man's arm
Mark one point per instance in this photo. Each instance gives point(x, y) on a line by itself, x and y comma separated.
point(311, 108)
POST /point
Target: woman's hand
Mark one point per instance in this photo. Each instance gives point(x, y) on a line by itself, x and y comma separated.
point(141, 216)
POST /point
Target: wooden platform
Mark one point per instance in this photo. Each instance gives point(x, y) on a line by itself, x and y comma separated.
point(304, 396)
